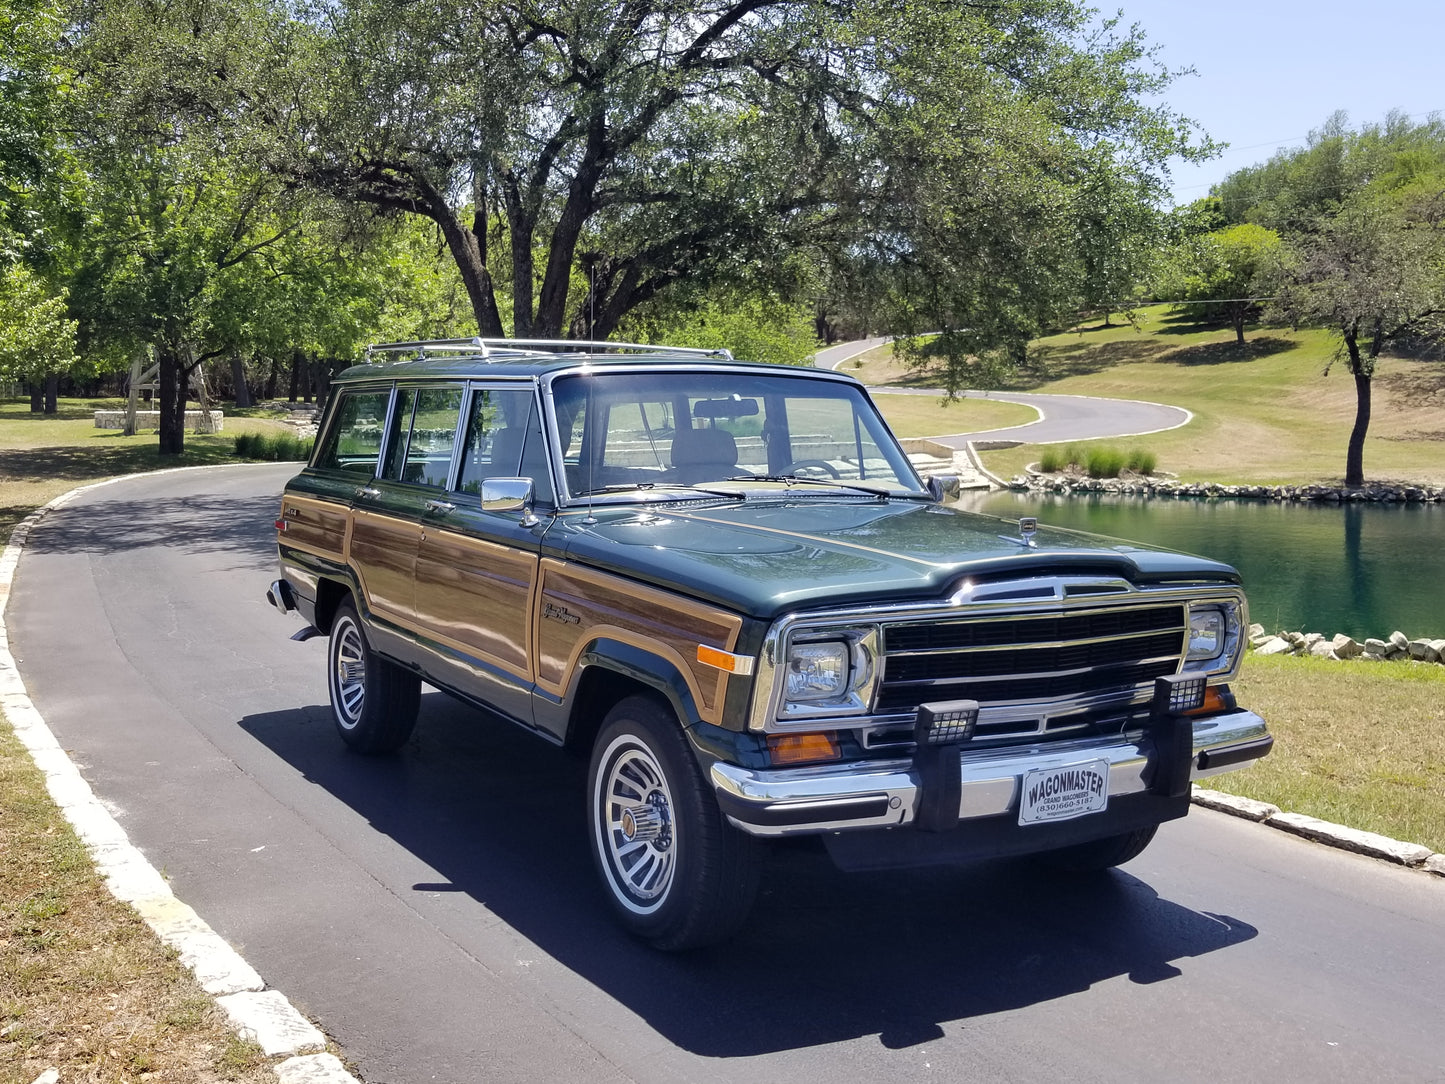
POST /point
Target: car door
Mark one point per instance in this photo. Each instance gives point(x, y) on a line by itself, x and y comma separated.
point(387, 514)
point(476, 567)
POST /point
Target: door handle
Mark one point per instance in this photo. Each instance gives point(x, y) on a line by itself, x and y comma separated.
point(439, 506)
point(368, 492)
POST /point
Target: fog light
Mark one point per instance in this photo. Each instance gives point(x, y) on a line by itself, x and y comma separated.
point(945, 722)
point(1179, 693)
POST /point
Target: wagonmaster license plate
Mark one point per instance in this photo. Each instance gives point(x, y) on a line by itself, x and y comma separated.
point(1061, 794)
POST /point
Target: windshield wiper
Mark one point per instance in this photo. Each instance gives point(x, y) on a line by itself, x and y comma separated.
point(790, 479)
point(660, 487)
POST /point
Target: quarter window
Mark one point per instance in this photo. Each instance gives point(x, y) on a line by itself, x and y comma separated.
point(353, 443)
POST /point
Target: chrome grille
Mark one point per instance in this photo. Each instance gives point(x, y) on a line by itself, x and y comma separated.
point(1110, 654)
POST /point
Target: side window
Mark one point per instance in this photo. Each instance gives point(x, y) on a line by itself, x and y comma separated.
point(353, 443)
point(426, 432)
point(499, 423)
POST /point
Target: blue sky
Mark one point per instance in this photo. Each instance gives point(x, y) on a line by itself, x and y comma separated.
point(1270, 71)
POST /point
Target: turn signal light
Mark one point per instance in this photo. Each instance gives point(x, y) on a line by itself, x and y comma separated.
point(1214, 701)
point(803, 748)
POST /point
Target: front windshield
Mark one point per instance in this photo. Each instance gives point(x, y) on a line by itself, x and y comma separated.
point(630, 431)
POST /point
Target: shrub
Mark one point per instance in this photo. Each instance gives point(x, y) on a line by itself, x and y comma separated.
point(274, 449)
point(1053, 460)
point(1104, 463)
point(1142, 462)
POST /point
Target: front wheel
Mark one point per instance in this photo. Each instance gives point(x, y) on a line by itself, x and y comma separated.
point(373, 701)
point(676, 873)
point(1100, 854)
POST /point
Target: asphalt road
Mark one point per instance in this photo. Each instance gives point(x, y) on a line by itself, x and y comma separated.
point(436, 912)
point(1062, 418)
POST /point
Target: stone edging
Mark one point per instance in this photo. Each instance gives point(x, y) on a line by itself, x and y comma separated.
point(1147, 487)
point(1398, 648)
point(256, 1013)
point(1370, 844)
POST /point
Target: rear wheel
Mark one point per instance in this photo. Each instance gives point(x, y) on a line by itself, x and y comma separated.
point(677, 874)
point(373, 701)
point(1100, 854)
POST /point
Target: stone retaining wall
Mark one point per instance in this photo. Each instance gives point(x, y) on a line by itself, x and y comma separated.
point(1398, 648)
point(151, 419)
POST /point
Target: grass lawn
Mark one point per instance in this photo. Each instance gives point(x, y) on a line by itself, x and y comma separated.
point(1264, 412)
point(1361, 744)
point(43, 456)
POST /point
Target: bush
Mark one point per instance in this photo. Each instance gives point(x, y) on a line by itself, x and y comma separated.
point(1142, 462)
point(1104, 463)
point(1052, 461)
point(280, 448)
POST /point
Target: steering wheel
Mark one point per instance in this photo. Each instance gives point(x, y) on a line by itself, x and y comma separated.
point(799, 464)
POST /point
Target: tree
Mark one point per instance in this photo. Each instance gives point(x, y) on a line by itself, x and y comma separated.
point(37, 338)
point(1218, 272)
point(581, 160)
point(1373, 275)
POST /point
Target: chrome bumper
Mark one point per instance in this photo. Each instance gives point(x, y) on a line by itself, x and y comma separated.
point(885, 794)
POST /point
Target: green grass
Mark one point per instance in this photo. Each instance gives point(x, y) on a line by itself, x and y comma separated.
point(1356, 743)
point(1263, 413)
point(43, 456)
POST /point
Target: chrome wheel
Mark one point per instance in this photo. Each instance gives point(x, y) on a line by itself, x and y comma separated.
point(635, 825)
point(373, 700)
point(348, 673)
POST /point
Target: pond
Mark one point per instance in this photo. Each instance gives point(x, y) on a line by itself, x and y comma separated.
point(1360, 569)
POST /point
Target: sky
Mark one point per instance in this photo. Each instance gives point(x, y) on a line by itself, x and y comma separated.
point(1269, 72)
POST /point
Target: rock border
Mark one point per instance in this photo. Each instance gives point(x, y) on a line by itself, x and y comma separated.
point(1151, 487)
point(1396, 648)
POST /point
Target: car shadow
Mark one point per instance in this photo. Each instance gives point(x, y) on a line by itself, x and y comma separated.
point(827, 956)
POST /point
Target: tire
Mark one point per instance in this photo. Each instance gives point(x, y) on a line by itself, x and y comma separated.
point(676, 873)
point(373, 701)
point(1100, 854)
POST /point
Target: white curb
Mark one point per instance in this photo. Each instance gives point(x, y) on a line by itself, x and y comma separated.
point(262, 1015)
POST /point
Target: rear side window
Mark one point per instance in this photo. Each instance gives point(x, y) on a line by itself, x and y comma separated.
point(426, 431)
point(353, 443)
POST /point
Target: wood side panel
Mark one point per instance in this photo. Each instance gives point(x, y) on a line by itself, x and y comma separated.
point(383, 553)
point(577, 605)
point(316, 526)
point(476, 596)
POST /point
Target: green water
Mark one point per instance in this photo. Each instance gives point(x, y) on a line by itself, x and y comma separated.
point(1360, 569)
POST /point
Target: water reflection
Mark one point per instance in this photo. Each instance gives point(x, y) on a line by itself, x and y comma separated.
point(1362, 569)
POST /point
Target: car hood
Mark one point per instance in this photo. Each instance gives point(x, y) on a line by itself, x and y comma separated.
point(767, 557)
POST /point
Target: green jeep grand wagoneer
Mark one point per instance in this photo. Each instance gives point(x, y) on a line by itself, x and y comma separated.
point(726, 585)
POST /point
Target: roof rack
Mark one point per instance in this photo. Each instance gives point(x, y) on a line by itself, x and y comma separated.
point(488, 348)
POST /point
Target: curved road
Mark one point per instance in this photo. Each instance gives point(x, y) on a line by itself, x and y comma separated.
point(1062, 418)
point(436, 912)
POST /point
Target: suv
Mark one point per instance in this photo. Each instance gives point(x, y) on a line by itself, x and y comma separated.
point(726, 585)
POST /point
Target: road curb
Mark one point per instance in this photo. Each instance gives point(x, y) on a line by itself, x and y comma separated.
point(256, 1013)
point(1370, 844)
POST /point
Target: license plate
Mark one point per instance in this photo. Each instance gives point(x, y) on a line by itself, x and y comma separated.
point(1061, 794)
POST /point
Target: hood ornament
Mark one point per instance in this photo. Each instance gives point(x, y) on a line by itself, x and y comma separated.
point(1028, 526)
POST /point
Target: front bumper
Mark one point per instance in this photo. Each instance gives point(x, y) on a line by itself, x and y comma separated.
point(887, 794)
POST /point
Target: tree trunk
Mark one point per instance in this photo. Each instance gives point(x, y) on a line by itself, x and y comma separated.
point(37, 397)
point(1355, 456)
point(52, 393)
point(172, 394)
point(238, 377)
point(295, 375)
point(1239, 326)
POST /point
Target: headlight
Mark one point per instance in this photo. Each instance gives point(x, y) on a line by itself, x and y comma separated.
point(1215, 636)
point(1206, 634)
point(817, 671)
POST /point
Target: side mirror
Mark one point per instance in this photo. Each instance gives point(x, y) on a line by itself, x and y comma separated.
point(510, 495)
point(943, 486)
